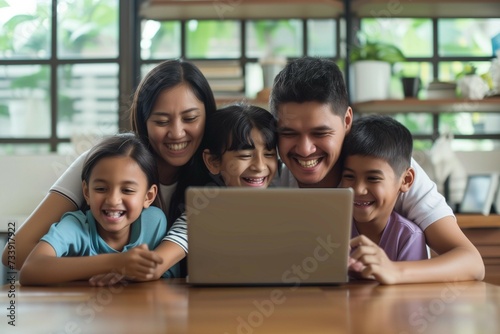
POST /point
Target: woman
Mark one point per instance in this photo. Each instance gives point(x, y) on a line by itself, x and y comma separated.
point(168, 113)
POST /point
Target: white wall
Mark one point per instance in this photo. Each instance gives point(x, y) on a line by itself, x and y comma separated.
point(480, 162)
point(25, 180)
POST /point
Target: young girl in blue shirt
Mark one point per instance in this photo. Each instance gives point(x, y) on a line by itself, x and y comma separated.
point(119, 231)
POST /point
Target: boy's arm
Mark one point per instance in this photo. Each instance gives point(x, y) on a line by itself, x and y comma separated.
point(138, 263)
point(457, 260)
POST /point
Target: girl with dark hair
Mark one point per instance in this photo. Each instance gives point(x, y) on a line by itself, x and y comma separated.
point(120, 182)
point(168, 113)
point(240, 146)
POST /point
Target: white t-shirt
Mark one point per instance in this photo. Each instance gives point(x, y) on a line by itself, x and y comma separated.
point(422, 204)
point(69, 185)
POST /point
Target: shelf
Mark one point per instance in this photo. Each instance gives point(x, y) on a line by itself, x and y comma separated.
point(410, 105)
point(239, 9)
point(478, 221)
point(275, 9)
point(426, 8)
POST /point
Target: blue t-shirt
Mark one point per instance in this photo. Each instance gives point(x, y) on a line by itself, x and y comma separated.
point(76, 235)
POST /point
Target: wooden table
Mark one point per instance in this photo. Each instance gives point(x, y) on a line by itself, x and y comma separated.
point(172, 306)
point(484, 233)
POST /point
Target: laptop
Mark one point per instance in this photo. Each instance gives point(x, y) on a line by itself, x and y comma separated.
point(274, 236)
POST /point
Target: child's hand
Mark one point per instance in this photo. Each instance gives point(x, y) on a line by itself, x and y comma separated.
point(106, 279)
point(139, 263)
point(370, 261)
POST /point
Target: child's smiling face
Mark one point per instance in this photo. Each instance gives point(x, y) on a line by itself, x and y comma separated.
point(117, 192)
point(252, 167)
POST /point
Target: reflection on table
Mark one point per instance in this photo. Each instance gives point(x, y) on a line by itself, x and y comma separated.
point(172, 306)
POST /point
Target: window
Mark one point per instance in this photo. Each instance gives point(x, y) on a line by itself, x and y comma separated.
point(58, 73)
point(441, 49)
point(229, 51)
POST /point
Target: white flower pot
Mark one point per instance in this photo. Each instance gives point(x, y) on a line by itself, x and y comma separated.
point(370, 80)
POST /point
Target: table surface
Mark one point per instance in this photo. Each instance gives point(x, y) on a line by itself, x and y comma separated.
point(172, 306)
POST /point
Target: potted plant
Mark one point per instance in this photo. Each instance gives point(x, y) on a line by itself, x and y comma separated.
point(371, 70)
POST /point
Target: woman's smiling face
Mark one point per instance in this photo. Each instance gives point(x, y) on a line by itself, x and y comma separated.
point(176, 125)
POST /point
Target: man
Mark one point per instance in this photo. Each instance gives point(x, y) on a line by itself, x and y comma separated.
point(309, 100)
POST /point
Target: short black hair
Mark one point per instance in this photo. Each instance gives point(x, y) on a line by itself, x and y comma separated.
point(380, 137)
point(309, 79)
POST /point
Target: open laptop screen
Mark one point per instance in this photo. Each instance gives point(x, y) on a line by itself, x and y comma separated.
point(268, 236)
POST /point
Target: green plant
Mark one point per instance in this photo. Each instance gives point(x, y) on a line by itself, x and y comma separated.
point(266, 31)
point(4, 110)
point(469, 69)
point(377, 51)
point(38, 79)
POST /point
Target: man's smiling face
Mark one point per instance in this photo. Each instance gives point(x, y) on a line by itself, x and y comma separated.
point(310, 141)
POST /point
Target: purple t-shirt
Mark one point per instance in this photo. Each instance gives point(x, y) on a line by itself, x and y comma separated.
point(401, 239)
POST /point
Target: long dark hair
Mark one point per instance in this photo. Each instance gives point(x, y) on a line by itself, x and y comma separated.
point(166, 75)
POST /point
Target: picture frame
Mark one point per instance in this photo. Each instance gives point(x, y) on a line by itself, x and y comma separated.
point(497, 201)
point(480, 193)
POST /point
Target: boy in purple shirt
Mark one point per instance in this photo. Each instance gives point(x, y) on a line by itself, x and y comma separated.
point(376, 164)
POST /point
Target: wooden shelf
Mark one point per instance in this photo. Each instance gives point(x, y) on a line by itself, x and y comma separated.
point(245, 9)
point(412, 105)
point(426, 8)
point(478, 221)
point(275, 9)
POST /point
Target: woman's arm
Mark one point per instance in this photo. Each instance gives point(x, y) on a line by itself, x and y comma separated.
point(171, 253)
point(138, 263)
point(49, 211)
point(65, 195)
point(174, 246)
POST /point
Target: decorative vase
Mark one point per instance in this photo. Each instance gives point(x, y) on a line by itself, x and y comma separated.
point(411, 86)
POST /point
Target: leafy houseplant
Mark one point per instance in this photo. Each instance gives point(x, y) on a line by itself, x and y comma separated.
point(371, 69)
point(377, 51)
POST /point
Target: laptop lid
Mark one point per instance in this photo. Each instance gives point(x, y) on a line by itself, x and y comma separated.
point(268, 236)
